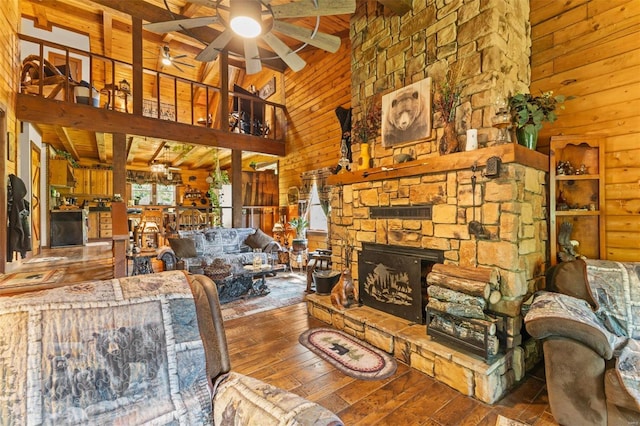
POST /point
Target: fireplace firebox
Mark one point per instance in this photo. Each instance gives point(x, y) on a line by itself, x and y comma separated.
point(393, 278)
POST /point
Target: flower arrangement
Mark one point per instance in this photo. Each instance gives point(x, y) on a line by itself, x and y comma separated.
point(369, 125)
point(529, 112)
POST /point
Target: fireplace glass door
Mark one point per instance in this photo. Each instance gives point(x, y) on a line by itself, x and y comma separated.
point(391, 282)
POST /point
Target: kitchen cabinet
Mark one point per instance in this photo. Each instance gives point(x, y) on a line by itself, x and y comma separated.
point(95, 182)
point(61, 173)
point(576, 196)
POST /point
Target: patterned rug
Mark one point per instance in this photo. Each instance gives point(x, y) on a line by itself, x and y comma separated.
point(286, 288)
point(348, 354)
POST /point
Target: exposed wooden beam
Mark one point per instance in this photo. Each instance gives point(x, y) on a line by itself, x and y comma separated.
point(152, 13)
point(67, 142)
point(101, 147)
point(40, 19)
point(107, 34)
point(399, 7)
point(158, 151)
point(203, 159)
point(48, 111)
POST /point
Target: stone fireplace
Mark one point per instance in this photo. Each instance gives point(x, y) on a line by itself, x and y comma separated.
point(512, 211)
point(393, 279)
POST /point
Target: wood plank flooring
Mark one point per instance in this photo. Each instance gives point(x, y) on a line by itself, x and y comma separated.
point(265, 345)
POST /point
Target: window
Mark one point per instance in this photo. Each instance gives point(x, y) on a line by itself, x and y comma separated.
point(317, 216)
point(166, 195)
point(147, 194)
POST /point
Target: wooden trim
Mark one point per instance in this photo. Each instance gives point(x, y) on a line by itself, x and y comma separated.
point(36, 109)
point(508, 153)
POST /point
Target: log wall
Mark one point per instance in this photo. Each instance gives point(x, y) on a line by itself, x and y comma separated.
point(591, 50)
point(9, 18)
point(313, 130)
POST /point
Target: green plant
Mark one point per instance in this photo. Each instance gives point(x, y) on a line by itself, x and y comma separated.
point(300, 224)
point(529, 112)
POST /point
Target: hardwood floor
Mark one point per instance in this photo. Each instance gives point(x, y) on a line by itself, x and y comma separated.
point(265, 345)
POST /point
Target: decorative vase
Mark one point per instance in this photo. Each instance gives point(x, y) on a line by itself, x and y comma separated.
point(449, 140)
point(527, 136)
point(364, 162)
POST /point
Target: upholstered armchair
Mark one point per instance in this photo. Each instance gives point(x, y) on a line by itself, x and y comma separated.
point(589, 323)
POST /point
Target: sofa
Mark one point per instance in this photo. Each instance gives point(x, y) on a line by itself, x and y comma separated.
point(148, 349)
point(198, 248)
point(588, 320)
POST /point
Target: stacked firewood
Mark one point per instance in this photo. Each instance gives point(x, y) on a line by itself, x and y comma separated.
point(462, 295)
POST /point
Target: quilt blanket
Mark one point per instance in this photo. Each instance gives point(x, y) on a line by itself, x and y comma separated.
point(121, 351)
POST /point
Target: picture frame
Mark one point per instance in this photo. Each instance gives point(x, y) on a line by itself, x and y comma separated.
point(406, 114)
point(268, 89)
point(11, 147)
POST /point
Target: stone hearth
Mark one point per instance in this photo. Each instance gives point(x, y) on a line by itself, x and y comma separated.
point(409, 343)
point(511, 208)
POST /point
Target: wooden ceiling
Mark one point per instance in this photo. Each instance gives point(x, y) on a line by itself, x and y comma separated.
point(108, 25)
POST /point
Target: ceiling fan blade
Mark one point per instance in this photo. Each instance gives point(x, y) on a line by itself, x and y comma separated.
point(252, 56)
point(184, 64)
point(295, 62)
point(178, 57)
point(180, 24)
point(210, 53)
point(304, 8)
point(177, 66)
point(324, 41)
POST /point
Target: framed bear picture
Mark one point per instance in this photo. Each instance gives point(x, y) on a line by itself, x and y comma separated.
point(406, 114)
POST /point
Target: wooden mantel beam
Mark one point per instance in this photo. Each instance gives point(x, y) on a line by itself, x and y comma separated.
point(35, 109)
point(399, 7)
point(507, 153)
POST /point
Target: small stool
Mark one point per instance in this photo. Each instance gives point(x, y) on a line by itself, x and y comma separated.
point(318, 260)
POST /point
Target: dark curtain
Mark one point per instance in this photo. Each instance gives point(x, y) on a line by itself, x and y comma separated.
point(19, 228)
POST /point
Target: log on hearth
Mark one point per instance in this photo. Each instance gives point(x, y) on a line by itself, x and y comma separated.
point(487, 275)
point(463, 285)
point(466, 331)
point(447, 295)
point(457, 309)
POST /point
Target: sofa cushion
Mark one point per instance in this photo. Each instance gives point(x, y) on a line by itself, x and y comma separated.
point(570, 278)
point(243, 400)
point(556, 314)
point(183, 247)
point(258, 240)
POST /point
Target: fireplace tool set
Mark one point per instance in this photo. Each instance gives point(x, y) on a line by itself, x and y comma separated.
point(475, 227)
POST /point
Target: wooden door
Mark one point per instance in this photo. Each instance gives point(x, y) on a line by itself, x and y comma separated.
point(35, 200)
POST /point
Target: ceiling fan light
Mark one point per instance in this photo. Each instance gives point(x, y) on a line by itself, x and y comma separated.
point(246, 20)
point(166, 61)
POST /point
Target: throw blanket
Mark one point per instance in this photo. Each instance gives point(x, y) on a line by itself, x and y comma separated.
point(615, 287)
point(121, 351)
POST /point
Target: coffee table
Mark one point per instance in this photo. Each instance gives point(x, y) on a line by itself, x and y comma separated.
point(261, 273)
point(248, 282)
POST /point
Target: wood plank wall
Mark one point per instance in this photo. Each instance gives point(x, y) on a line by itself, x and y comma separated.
point(591, 50)
point(9, 20)
point(314, 133)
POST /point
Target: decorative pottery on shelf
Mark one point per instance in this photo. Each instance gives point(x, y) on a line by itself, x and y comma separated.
point(364, 162)
point(527, 136)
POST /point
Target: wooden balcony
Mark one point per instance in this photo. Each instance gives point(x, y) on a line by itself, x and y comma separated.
point(127, 98)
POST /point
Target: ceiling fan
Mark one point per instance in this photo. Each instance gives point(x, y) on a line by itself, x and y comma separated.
point(168, 60)
point(253, 19)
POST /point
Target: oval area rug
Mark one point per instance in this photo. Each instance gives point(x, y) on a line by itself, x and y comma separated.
point(349, 354)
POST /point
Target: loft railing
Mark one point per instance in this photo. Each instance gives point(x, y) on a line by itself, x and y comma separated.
point(84, 77)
